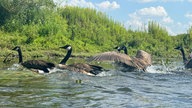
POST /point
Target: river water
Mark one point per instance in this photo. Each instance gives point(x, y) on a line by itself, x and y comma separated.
point(162, 86)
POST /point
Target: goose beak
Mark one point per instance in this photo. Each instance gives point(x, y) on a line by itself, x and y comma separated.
point(67, 47)
point(116, 47)
point(16, 48)
point(177, 48)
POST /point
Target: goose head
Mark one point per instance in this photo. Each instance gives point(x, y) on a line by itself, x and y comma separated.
point(67, 47)
point(16, 48)
point(123, 47)
point(117, 48)
point(179, 48)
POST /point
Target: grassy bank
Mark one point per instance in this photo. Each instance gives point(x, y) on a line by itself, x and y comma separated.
point(40, 27)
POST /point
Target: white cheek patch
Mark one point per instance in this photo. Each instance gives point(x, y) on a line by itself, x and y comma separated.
point(69, 48)
point(118, 48)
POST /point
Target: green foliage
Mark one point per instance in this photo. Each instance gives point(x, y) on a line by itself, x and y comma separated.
point(39, 26)
point(22, 12)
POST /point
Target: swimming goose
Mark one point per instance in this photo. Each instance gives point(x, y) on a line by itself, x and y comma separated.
point(187, 63)
point(141, 61)
point(34, 65)
point(78, 67)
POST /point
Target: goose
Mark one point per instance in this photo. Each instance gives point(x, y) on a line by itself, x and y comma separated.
point(141, 61)
point(84, 68)
point(123, 47)
point(187, 63)
point(190, 55)
point(34, 65)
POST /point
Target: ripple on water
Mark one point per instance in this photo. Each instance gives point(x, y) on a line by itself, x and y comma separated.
point(160, 86)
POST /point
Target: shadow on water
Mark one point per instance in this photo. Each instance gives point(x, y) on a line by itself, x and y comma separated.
point(163, 85)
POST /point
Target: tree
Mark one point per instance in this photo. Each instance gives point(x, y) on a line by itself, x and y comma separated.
point(20, 12)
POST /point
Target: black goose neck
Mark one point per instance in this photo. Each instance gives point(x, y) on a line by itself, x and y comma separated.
point(20, 56)
point(66, 57)
point(183, 54)
point(125, 50)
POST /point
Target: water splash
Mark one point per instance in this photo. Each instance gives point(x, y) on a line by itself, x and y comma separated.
point(167, 67)
point(15, 67)
point(157, 69)
point(54, 70)
point(107, 73)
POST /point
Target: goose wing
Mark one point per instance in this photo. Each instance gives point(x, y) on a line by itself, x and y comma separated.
point(140, 63)
point(86, 68)
point(38, 64)
point(144, 57)
point(189, 64)
point(110, 56)
point(83, 68)
point(114, 56)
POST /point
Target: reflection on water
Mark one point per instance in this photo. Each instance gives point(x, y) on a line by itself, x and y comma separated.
point(164, 85)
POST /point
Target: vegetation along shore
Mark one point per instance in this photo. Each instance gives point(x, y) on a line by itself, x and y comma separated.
point(40, 27)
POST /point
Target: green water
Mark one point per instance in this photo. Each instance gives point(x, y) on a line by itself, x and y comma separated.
point(157, 88)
